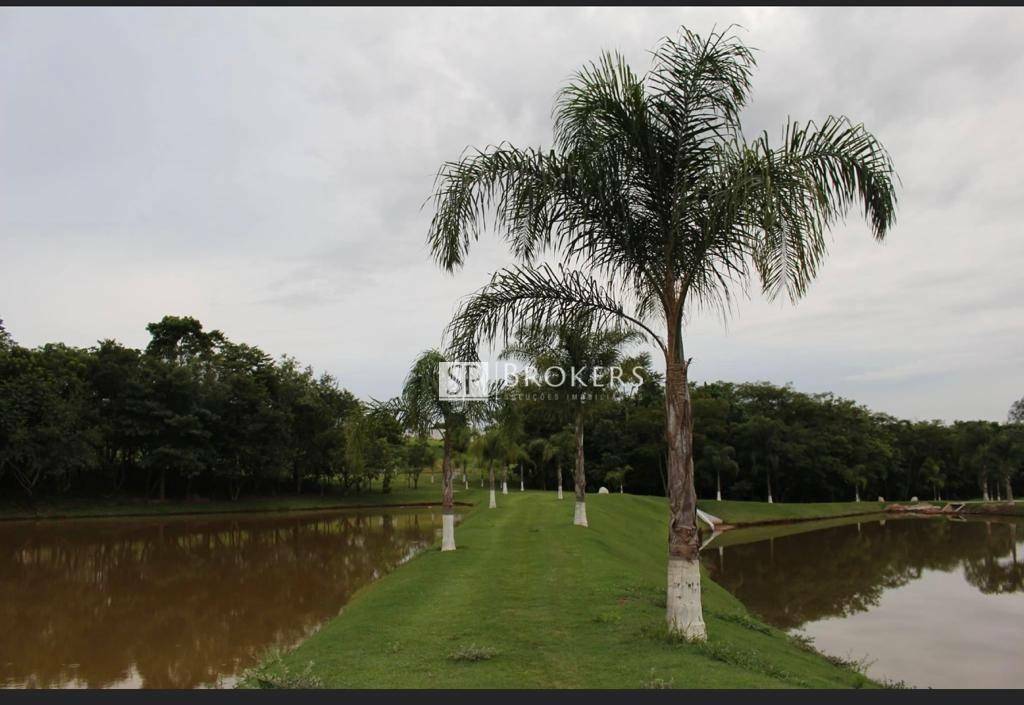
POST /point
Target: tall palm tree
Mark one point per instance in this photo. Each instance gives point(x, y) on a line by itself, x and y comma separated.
point(423, 411)
point(489, 446)
point(558, 446)
point(655, 206)
point(574, 345)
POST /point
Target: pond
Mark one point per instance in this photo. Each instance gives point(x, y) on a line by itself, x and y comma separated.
point(183, 602)
point(932, 602)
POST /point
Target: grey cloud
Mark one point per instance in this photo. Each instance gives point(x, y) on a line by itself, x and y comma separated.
point(264, 169)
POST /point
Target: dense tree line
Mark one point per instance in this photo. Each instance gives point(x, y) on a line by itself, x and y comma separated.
point(195, 414)
point(753, 439)
point(192, 414)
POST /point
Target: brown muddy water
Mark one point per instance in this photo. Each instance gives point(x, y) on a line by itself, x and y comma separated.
point(182, 602)
point(931, 602)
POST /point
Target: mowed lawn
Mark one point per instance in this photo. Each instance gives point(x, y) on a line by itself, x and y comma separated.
point(530, 601)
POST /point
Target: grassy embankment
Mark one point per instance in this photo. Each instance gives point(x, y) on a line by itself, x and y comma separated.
point(113, 507)
point(530, 601)
point(738, 513)
point(732, 512)
point(991, 508)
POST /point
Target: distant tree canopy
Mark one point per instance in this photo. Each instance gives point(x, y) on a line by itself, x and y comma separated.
point(1016, 414)
point(813, 447)
point(197, 414)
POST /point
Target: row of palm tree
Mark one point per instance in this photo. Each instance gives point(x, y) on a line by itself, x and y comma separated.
point(650, 206)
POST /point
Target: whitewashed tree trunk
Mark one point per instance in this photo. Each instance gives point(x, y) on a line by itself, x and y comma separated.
point(683, 611)
point(856, 494)
point(447, 493)
point(579, 476)
point(682, 599)
point(493, 504)
point(521, 487)
point(718, 485)
point(448, 532)
point(504, 487)
point(580, 517)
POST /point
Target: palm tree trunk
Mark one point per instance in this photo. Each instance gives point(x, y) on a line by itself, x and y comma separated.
point(447, 496)
point(580, 476)
point(490, 470)
point(683, 601)
point(558, 469)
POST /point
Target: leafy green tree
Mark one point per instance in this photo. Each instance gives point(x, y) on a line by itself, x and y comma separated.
point(656, 205)
point(973, 451)
point(1015, 415)
point(931, 473)
point(44, 436)
point(180, 339)
point(6, 341)
point(419, 456)
point(118, 395)
point(764, 438)
point(374, 445)
point(177, 431)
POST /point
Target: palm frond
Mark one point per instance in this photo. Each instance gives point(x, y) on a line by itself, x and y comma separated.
point(800, 189)
point(534, 297)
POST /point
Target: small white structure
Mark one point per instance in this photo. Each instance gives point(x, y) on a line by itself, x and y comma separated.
point(603, 490)
point(709, 519)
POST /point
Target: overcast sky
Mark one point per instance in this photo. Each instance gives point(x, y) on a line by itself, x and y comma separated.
point(264, 171)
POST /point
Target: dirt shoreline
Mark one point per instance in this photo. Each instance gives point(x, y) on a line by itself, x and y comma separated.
point(979, 510)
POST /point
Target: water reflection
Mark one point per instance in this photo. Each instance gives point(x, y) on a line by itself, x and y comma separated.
point(181, 602)
point(928, 598)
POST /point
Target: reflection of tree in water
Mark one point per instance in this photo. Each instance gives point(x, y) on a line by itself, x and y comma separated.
point(181, 603)
point(841, 570)
point(1000, 569)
